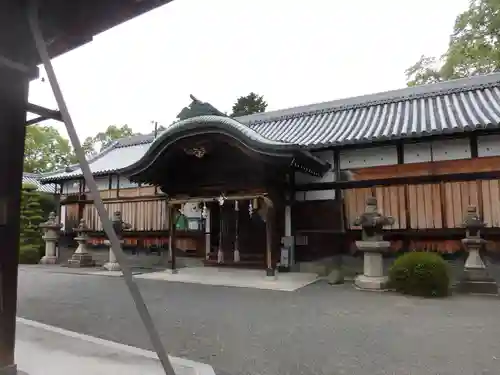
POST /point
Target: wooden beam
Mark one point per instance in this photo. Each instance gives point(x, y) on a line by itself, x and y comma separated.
point(171, 237)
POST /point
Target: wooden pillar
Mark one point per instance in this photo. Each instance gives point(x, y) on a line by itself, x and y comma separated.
point(270, 237)
point(236, 235)
point(220, 251)
point(15, 40)
point(171, 238)
point(208, 224)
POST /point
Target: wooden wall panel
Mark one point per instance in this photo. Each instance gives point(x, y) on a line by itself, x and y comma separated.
point(147, 215)
point(458, 196)
point(391, 202)
point(71, 219)
point(354, 204)
point(490, 208)
point(428, 206)
point(317, 215)
point(436, 168)
point(424, 206)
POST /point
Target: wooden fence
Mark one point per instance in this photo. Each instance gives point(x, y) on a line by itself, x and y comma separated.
point(428, 206)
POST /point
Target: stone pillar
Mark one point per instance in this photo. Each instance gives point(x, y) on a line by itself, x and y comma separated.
point(112, 263)
point(475, 278)
point(372, 245)
point(81, 257)
point(236, 239)
point(51, 234)
point(119, 226)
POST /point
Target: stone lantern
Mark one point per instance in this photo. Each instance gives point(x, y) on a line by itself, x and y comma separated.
point(476, 278)
point(373, 246)
point(51, 234)
point(81, 257)
point(119, 226)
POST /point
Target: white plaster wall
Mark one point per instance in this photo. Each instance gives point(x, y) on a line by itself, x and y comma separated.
point(368, 157)
point(417, 152)
point(102, 183)
point(125, 183)
point(62, 217)
point(71, 187)
point(451, 149)
point(315, 195)
point(302, 178)
point(488, 145)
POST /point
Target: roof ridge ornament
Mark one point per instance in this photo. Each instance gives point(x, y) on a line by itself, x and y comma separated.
point(198, 108)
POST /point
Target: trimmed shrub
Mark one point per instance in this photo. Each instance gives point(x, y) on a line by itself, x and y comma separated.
point(420, 274)
point(28, 254)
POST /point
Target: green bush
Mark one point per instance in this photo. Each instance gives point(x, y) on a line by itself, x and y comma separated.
point(31, 218)
point(28, 254)
point(420, 274)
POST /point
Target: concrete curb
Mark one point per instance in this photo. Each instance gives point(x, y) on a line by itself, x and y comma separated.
point(198, 367)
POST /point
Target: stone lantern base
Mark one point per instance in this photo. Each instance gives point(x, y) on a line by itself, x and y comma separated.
point(112, 264)
point(48, 259)
point(373, 277)
point(477, 282)
point(476, 279)
point(81, 260)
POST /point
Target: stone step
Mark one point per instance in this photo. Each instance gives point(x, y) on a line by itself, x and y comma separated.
point(478, 287)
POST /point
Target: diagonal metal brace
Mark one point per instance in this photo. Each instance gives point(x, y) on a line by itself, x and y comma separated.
point(89, 179)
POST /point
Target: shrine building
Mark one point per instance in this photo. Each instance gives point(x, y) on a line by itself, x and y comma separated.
point(247, 187)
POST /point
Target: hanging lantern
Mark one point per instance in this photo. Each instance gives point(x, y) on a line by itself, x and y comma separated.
point(204, 211)
point(236, 207)
point(221, 199)
point(250, 208)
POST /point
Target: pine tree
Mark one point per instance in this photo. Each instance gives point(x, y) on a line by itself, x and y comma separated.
point(31, 242)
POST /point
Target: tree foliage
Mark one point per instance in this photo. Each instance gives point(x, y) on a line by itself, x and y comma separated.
point(31, 242)
point(474, 47)
point(246, 105)
point(97, 143)
point(45, 149)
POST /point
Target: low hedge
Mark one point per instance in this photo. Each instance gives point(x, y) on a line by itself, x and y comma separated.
point(29, 254)
point(420, 274)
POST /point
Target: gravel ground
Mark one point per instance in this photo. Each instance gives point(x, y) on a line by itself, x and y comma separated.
point(319, 329)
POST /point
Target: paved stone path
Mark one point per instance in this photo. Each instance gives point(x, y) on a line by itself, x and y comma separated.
point(319, 329)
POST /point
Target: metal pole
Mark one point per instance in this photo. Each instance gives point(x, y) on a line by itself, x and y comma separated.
point(103, 214)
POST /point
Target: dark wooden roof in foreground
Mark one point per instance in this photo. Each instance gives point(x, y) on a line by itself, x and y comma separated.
point(69, 24)
point(453, 107)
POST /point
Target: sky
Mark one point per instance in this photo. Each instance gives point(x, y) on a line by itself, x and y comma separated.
point(293, 52)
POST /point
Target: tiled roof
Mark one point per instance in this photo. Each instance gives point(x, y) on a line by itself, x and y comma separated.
point(114, 158)
point(454, 106)
point(33, 179)
point(461, 105)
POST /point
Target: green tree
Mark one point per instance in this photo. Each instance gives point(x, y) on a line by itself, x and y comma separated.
point(31, 242)
point(97, 143)
point(45, 150)
point(474, 47)
point(246, 105)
